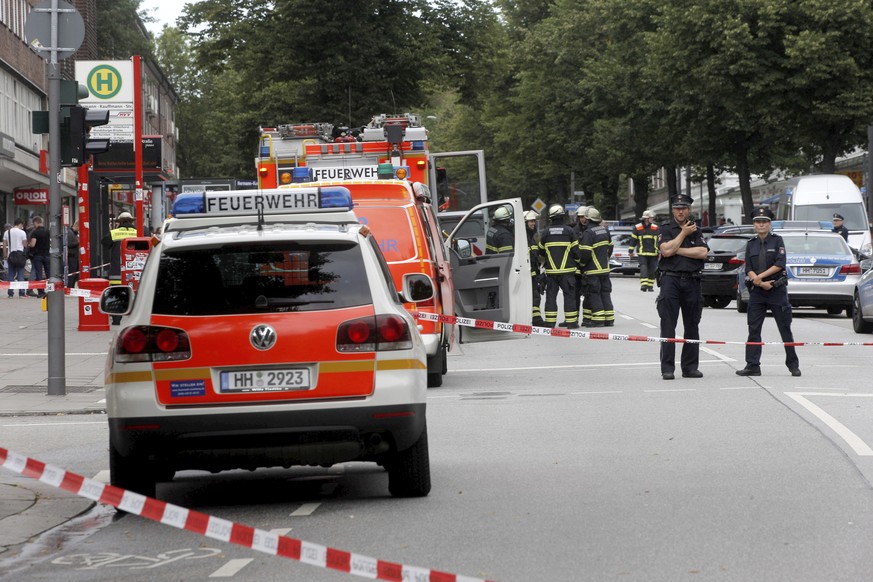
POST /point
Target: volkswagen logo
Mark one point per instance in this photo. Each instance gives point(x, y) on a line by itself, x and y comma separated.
point(263, 337)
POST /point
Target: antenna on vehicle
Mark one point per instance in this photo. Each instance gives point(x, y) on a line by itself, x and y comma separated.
point(260, 219)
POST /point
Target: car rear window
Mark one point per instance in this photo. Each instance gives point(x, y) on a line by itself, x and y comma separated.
point(804, 245)
point(258, 278)
point(622, 240)
point(727, 245)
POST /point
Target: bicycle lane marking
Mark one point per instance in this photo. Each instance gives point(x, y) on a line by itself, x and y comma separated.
point(221, 529)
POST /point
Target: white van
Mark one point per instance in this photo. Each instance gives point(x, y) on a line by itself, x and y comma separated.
point(817, 198)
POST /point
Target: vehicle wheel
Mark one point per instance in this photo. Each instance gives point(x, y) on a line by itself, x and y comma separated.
point(435, 379)
point(858, 323)
point(409, 470)
point(835, 310)
point(742, 306)
point(132, 474)
point(720, 301)
point(445, 361)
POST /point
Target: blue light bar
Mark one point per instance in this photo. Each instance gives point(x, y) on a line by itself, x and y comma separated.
point(299, 175)
point(251, 202)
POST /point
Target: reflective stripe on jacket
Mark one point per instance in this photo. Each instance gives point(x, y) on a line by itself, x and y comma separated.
point(595, 249)
point(559, 247)
point(645, 240)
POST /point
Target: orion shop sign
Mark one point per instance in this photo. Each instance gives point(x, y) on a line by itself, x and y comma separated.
point(25, 196)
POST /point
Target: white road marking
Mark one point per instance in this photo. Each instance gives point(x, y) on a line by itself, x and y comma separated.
point(861, 448)
point(281, 531)
point(601, 392)
point(715, 354)
point(649, 325)
point(672, 390)
point(305, 509)
point(232, 568)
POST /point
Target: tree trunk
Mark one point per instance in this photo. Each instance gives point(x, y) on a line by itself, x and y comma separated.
point(710, 187)
point(671, 181)
point(641, 194)
point(828, 157)
point(745, 178)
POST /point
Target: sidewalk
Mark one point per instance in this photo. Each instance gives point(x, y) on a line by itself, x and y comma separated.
point(29, 507)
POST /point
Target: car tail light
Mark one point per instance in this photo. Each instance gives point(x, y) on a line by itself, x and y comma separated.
point(146, 343)
point(374, 334)
point(853, 269)
point(735, 261)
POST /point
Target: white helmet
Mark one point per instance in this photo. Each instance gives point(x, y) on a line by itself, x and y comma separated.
point(556, 210)
point(582, 212)
point(593, 214)
point(502, 214)
point(648, 214)
point(530, 215)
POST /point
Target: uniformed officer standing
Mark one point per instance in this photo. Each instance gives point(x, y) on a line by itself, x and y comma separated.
point(595, 248)
point(560, 251)
point(530, 223)
point(683, 252)
point(765, 275)
point(645, 245)
point(500, 238)
point(840, 228)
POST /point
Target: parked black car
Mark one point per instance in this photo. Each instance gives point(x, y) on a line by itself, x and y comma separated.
point(719, 278)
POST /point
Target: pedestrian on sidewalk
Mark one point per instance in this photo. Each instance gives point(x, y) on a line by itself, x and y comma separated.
point(73, 254)
point(40, 243)
point(14, 252)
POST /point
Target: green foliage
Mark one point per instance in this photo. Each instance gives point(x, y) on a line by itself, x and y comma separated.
point(119, 35)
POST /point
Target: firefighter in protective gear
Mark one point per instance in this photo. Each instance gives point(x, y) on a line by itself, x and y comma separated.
point(595, 248)
point(580, 227)
point(645, 245)
point(530, 223)
point(560, 251)
point(499, 238)
point(112, 243)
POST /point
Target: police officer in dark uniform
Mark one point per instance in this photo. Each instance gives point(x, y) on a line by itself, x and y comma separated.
point(500, 237)
point(765, 276)
point(838, 227)
point(112, 244)
point(530, 223)
point(683, 252)
point(560, 251)
point(579, 228)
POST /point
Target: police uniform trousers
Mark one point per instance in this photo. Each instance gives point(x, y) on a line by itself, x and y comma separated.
point(566, 283)
point(776, 300)
point(648, 271)
point(680, 295)
point(597, 308)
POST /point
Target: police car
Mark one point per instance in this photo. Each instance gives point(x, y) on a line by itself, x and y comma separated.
point(266, 331)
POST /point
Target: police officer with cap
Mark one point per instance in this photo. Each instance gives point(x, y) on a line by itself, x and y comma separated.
point(838, 227)
point(683, 252)
point(765, 277)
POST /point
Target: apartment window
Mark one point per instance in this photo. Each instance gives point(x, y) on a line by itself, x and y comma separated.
point(18, 102)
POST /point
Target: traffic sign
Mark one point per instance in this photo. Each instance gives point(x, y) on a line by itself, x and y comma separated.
point(38, 30)
point(538, 205)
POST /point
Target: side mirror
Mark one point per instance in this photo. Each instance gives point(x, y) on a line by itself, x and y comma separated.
point(116, 300)
point(416, 288)
point(463, 248)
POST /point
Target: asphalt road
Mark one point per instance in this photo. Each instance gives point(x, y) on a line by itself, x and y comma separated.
point(552, 459)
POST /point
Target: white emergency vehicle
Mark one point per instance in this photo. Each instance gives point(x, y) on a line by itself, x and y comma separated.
point(266, 331)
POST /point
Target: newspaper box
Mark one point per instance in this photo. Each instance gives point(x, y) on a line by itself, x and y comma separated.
point(90, 317)
point(134, 252)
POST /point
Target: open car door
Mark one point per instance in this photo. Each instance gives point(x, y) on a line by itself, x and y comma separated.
point(491, 287)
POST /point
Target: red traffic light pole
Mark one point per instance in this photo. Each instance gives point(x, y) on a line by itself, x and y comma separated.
point(137, 141)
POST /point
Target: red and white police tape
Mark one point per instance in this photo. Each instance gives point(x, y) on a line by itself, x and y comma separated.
point(47, 285)
point(222, 529)
point(593, 335)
